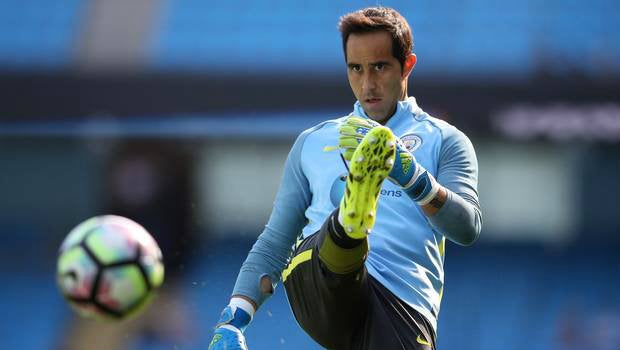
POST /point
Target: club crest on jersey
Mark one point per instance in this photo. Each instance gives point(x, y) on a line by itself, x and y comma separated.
point(411, 142)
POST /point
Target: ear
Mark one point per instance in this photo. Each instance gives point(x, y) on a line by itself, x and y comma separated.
point(410, 61)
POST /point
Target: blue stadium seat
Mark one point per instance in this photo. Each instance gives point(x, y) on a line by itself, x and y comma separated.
point(38, 35)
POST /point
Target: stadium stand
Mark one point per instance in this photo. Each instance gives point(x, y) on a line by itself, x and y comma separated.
point(478, 37)
point(39, 34)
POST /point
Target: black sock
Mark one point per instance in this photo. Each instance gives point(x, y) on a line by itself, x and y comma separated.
point(338, 235)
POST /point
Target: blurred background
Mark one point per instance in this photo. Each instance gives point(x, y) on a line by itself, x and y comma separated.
point(180, 114)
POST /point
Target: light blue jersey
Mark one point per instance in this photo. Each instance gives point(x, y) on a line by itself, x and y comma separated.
point(406, 247)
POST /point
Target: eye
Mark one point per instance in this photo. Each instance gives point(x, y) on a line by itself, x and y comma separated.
point(356, 68)
point(379, 66)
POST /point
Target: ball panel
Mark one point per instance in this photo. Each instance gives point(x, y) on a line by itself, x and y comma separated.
point(86, 309)
point(112, 243)
point(154, 268)
point(79, 232)
point(76, 273)
point(121, 287)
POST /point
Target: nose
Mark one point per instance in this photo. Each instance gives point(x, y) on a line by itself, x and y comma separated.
point(369, 83)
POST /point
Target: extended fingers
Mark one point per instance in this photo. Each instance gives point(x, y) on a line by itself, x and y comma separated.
point(352, 131)
point(349, 130)
point(348, 142)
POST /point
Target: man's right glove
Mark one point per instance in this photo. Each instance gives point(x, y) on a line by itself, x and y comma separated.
point(228, 333)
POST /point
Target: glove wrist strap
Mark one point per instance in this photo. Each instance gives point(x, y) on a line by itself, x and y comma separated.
point(238, 313)
point(243, 305)
point(424, 188)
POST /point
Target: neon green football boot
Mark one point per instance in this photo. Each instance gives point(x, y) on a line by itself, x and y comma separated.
point(370, 164)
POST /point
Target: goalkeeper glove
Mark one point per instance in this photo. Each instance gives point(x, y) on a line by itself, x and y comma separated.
point(234, 319)
point(417, 182)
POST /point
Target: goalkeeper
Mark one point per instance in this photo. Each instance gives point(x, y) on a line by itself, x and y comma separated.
point(368, 270)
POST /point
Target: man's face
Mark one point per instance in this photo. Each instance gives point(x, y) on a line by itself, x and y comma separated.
point(375, 76)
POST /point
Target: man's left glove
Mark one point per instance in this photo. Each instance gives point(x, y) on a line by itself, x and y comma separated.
point(406, 172)
point(228, 333)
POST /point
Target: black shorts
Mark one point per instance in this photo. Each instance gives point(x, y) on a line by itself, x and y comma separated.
point(352, 311)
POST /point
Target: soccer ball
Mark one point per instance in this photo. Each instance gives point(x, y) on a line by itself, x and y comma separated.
point(108, 267)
